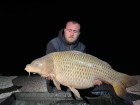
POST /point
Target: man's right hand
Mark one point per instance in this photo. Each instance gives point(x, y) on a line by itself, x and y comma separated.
point(97, 82)
point(49, 78)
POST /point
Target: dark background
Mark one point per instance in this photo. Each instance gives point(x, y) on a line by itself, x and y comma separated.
point(109, 30)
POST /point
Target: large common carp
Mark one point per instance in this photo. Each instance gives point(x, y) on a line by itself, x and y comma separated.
point(78, 70)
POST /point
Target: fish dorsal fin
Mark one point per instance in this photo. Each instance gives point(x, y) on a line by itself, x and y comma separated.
point(76, 52)
point(75, 91)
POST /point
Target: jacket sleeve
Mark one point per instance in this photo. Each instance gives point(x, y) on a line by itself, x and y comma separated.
point(50, 48)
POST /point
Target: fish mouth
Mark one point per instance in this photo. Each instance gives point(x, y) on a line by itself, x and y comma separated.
point(28, 69)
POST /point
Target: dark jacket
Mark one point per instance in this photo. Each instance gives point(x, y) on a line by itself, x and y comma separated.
point(59, 44)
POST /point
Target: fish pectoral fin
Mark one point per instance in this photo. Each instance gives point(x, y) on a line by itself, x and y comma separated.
point(75, 91)
point(56, 83)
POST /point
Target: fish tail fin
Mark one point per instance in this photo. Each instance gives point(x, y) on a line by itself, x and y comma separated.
point(125, 82)
point(128, 81)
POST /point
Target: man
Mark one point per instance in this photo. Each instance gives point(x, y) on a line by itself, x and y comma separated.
point(67, 39)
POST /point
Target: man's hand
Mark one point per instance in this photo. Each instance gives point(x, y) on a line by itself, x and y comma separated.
point(49, 78)
point(97, 82)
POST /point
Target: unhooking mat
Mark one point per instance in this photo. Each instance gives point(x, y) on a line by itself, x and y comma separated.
point(61, 98)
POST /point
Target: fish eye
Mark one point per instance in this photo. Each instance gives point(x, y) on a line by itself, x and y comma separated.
point(37, 63)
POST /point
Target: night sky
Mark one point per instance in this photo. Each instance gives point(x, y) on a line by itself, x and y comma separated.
point(110, 32)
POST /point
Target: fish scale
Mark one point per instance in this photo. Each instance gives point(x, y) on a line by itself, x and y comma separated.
point(78, 70)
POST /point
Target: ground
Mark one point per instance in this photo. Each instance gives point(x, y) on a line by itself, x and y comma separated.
point(35, 83)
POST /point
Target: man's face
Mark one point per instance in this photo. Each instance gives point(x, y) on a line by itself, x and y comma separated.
point(72, 32)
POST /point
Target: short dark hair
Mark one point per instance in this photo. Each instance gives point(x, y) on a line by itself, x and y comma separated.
point(74, 22)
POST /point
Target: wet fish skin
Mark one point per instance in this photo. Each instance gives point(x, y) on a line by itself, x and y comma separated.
point(78, 70)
